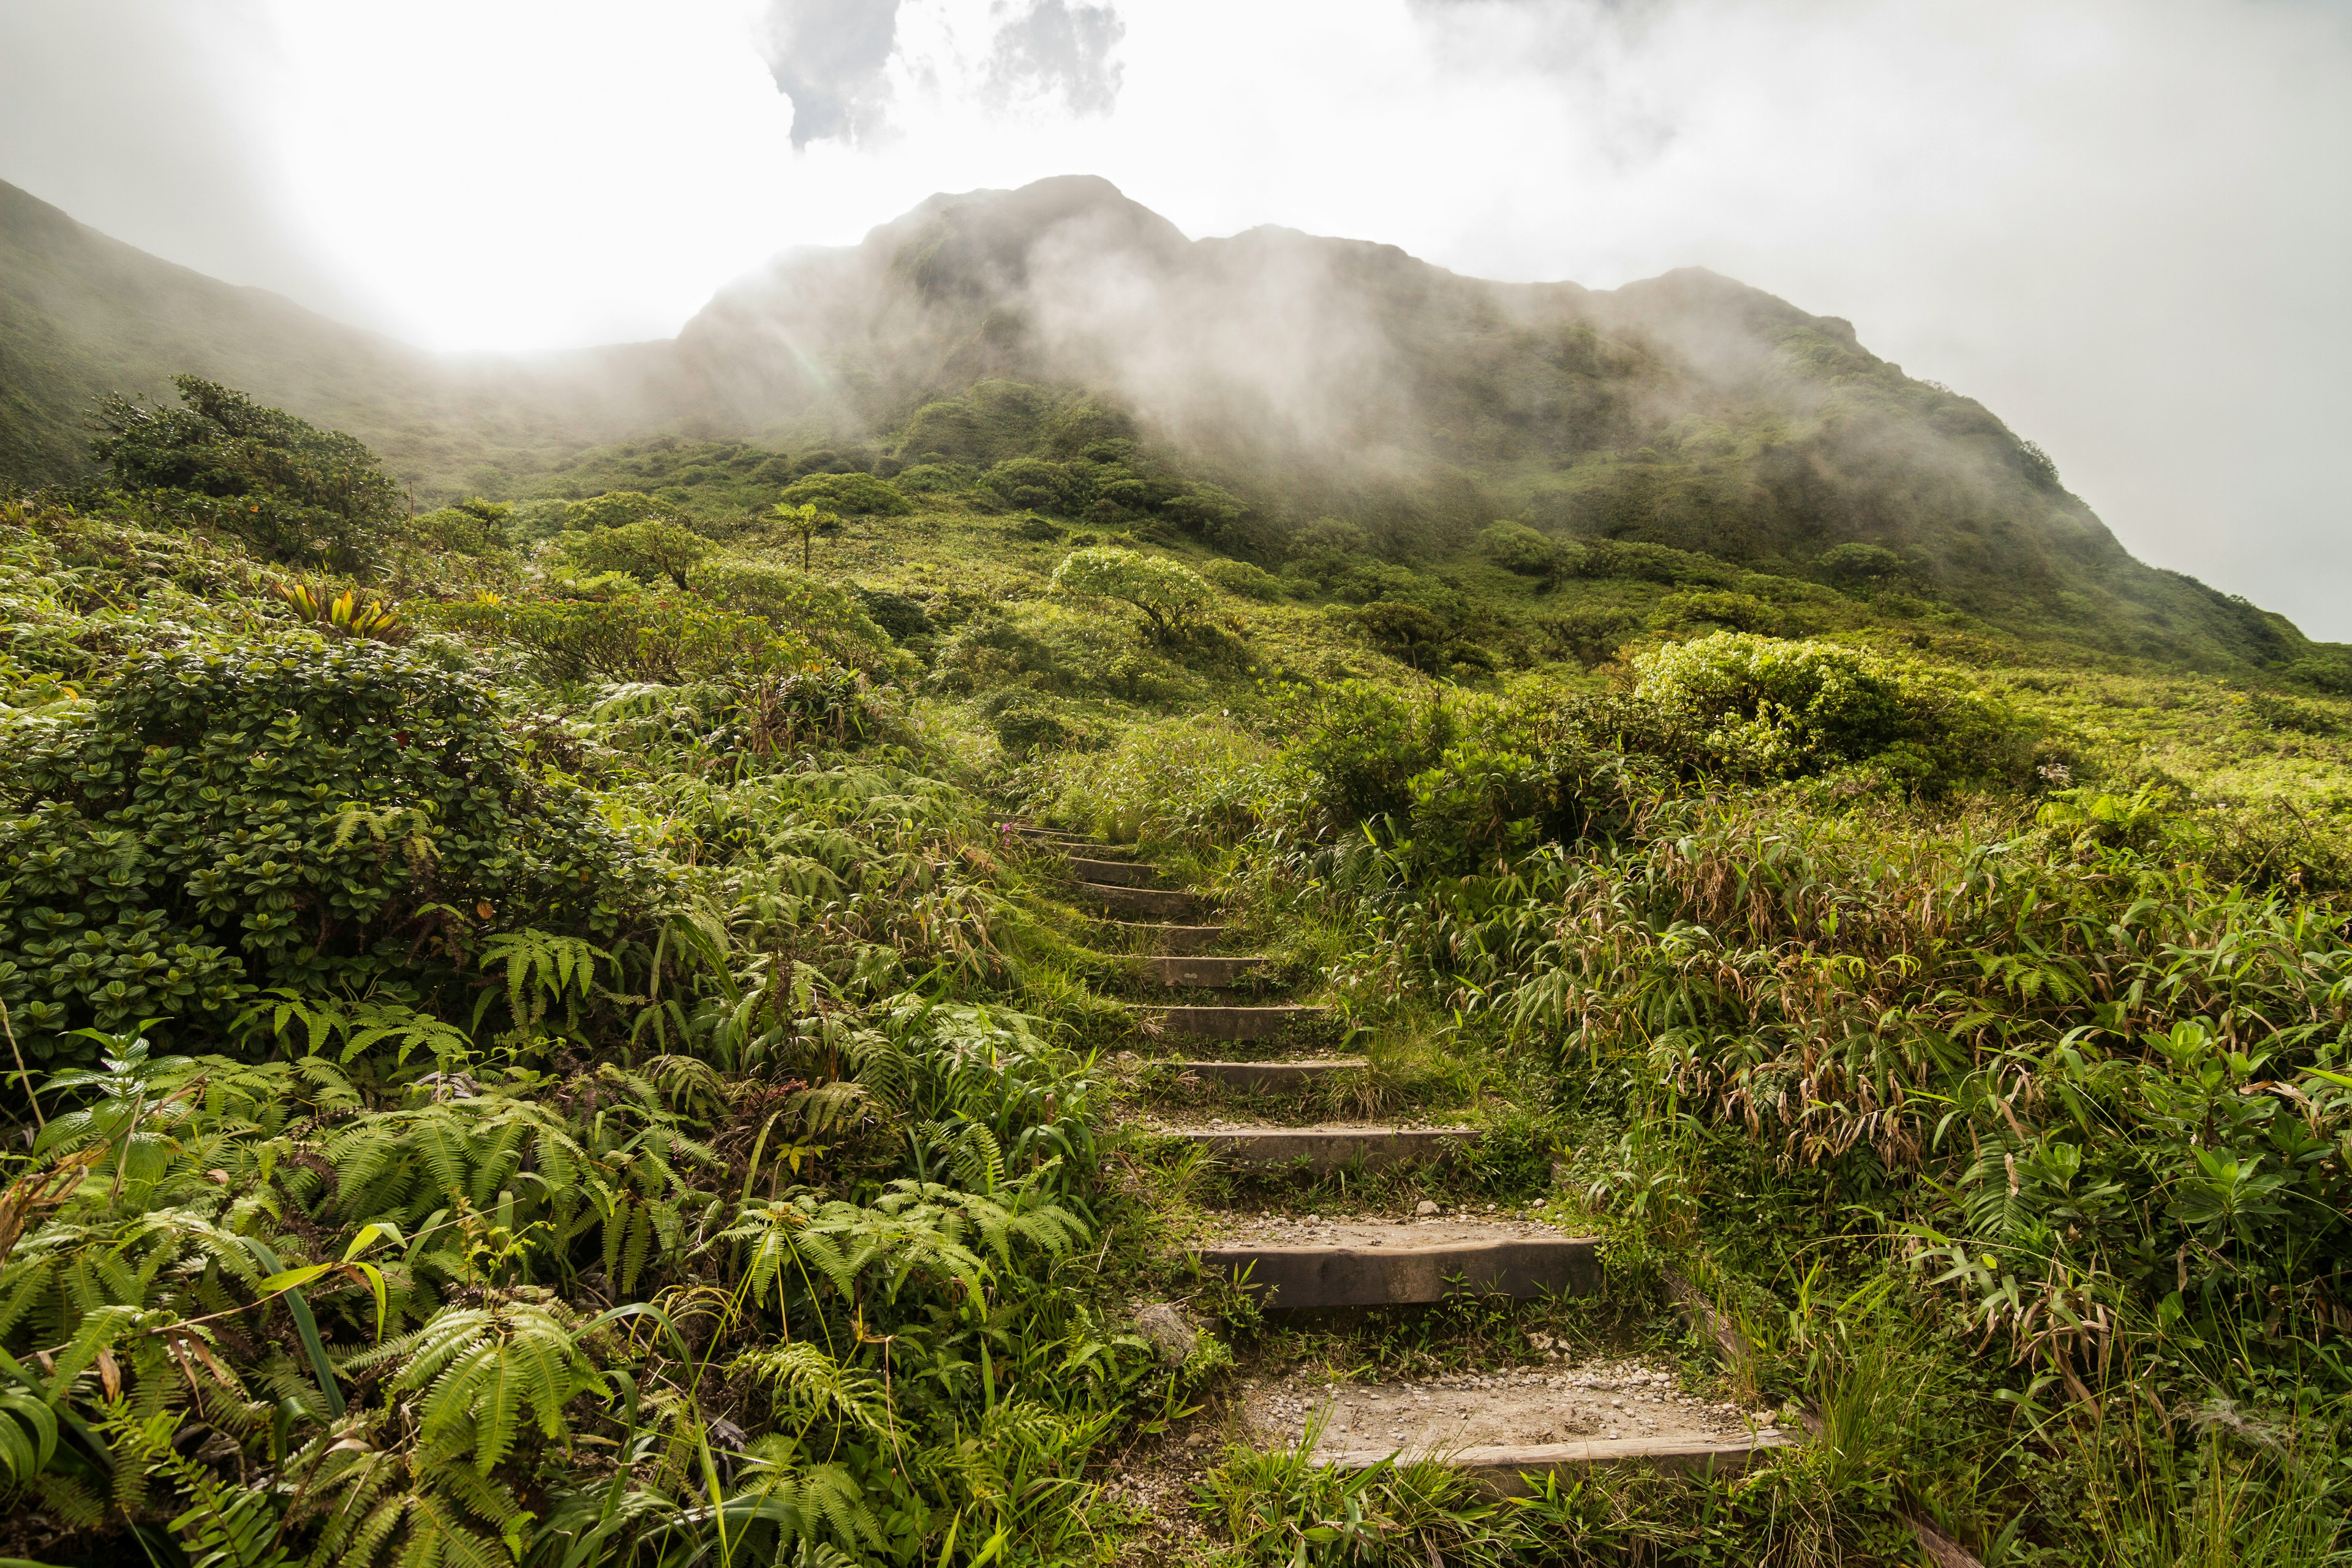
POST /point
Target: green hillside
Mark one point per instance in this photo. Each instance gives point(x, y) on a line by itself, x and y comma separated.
point(549, 1030)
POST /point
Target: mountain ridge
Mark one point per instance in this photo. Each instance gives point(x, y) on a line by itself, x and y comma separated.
point(1309, 376)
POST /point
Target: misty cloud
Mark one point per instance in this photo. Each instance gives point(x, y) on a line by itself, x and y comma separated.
point(1054, 49)
point(828, 57)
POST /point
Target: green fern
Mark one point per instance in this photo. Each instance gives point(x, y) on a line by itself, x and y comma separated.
point(480, 1366)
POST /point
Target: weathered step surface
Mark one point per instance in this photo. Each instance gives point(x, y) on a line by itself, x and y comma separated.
point(1113, 873)
point(1373, 1263)
point(1500, 1426)
point(1232, 1023)
point(1269, 1077)
point(1327, 1146)
point(1054, 839)
point(1149, 903)
point(1203, 974)
point(1173, 941)
point(1503, 1470)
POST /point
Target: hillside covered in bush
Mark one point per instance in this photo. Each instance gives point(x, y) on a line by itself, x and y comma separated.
point(532, 1043)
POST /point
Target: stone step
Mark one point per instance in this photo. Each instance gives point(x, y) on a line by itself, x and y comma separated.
point(1113, 873)
point(1162, 903)
point(1375, 1263)
point(1206, 974)
point(1266, 1077)
point(1232, 1023)
point(1503, 1471)
point(1326, 1147)
point(1173, 941)
point(1499, 1424)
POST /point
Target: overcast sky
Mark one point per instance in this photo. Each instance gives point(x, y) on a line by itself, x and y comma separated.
point(2127, 226)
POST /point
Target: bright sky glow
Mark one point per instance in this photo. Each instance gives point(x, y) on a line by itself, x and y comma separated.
point(2125, 226)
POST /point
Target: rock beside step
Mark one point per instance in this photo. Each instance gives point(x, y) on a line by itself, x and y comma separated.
point(1372, 1264)
point(1149, 903)
point(1327, 1147)
point(1232, 1023)
point(1268, 1078)
point(1207, 974)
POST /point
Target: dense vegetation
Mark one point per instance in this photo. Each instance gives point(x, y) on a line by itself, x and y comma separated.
point(530, 1046)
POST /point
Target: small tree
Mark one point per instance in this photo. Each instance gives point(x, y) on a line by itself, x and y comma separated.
point(1171, 596)
point(808, 522)
point(652, 549)
point(852, 495)
point(295, 491)
point(617, 509)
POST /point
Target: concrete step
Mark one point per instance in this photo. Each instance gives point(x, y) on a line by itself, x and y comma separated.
point(1232, 1023)
point(1326, 1147)
point(1206, 974)
point(1171, 941)
point(1395, 1263)
point(1151, 904)
point(1113, 873)
point(1499, 1426)
point(1269, 1077)
point(1503, 1471)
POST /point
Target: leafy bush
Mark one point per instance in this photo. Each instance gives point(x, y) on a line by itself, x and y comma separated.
point(634, 636)
point(1652, 563)
point(1772, 707)
point(1034, 529)
point(475, 527)
point(1025, 722)
point(1360, 746)
point(1860, 566)
point(1240, 578)
point(287, 813)
point(936, 479)
point(617, 509)
point(295, 491)
point(1515, 547)
point(1170, 594)
point(850, 495)
point(650, 550)
point(1740, 612)
point(805, 608)
point(1036, 485)
point(895, 613)
point(1407, 632)
point(1587, 634)
point(1208, 513)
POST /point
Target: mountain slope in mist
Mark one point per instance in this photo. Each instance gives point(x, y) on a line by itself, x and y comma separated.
point(1311, 376)
point(82, 314)
point(1325, 375)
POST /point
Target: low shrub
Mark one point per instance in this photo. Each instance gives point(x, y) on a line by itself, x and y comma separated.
point(325, 817)
point(630, 636)
point(1515, 547)
point(1243, 580)
point(1767, 707)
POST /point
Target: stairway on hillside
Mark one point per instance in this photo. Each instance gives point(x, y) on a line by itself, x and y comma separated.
point(1497, 1424)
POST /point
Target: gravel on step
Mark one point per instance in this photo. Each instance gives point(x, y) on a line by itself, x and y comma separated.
point(1513, 1406)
